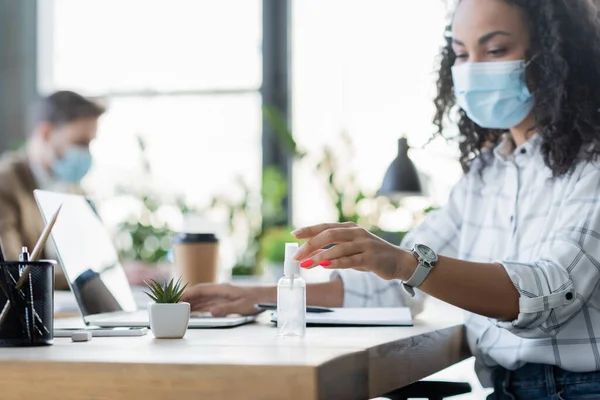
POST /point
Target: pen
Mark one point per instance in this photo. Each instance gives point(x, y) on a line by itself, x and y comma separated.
point(24, 256)
point(38, 247)
point(310, 309)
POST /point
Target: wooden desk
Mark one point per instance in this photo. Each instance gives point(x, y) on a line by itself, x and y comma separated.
point(248, 362)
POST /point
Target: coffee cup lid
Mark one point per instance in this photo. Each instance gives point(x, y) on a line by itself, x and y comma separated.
point(188, 237)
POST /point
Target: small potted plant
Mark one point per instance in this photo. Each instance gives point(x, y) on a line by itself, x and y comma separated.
point(169, 317)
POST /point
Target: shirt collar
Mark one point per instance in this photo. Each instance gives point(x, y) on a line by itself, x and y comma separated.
point(506, 151)
point(45, 180)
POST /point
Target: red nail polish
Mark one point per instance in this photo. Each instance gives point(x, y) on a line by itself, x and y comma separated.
point(307, 263)
point(325, 263)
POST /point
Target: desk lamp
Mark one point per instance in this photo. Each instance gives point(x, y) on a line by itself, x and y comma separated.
point(401, 178)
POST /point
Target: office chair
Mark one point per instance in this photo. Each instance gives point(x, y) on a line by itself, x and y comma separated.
point(431, 390)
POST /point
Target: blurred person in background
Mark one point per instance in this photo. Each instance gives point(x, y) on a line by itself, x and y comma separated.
point(56, 157)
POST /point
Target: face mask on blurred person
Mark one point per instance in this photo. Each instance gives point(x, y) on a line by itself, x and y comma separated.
point(74, 164)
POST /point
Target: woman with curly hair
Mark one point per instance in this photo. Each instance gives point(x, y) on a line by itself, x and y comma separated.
point(518, 244)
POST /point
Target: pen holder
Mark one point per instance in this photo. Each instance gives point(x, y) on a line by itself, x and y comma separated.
point(26, 313)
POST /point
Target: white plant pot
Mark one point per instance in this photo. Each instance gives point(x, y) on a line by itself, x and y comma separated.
point(169, 321)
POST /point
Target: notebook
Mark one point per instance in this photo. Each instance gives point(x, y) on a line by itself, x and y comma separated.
point(388, 316)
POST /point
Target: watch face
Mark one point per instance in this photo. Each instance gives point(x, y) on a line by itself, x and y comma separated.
point(426, 253)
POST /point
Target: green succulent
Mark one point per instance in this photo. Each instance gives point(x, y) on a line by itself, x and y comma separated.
point(168, 292)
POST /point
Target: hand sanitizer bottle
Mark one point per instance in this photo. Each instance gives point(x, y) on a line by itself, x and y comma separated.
point(291, 296)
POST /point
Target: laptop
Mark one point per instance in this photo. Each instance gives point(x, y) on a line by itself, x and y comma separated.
point(91, 265)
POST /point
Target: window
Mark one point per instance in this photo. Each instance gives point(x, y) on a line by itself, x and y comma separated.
point(112, 46)
point(366, 68)
point(182, 74)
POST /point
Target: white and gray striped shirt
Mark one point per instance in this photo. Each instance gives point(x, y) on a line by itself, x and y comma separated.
point(545, 231)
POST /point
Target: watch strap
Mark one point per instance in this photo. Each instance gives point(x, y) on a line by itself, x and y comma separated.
point(417, 277)
point(409, 289)
point(421, 272)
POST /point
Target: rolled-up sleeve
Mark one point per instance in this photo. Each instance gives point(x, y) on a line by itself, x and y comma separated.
point(439, 230)
point(554, 287)
point(365, 289)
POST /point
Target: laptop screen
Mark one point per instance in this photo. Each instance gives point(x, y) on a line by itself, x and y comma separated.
point(87, 254)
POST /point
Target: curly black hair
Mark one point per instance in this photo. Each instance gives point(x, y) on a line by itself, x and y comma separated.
point(564, 72)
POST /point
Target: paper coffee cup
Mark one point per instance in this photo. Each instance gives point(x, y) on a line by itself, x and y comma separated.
point(196, 257)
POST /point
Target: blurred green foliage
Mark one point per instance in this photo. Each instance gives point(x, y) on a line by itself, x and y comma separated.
point(148, 243)
point(272, 244)
point(149, 239)
point(256, 215)
point(268, 235)
point(340, 181)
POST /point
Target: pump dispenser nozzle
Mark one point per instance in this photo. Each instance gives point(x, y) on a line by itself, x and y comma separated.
point(291, 266)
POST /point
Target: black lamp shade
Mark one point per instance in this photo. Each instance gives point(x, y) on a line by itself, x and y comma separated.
point(402, 177)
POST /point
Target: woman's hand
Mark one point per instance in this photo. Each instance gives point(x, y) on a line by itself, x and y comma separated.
point(222, 300)
point(354, 248)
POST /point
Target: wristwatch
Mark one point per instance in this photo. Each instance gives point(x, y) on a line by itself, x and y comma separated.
point(426, 259)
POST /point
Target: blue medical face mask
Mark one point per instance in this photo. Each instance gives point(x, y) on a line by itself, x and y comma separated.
point(74, 164)
point(493, 94)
